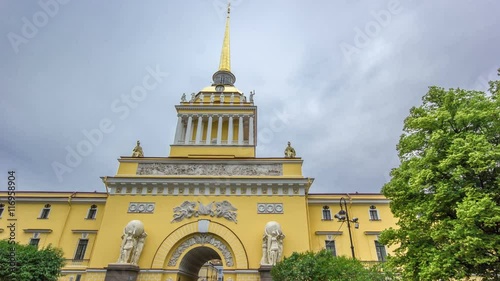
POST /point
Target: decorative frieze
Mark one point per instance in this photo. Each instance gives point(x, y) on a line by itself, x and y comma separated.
point(270, 208)
point(202, 239)
point(190, 209)
point(141, 207)
point(210, 169)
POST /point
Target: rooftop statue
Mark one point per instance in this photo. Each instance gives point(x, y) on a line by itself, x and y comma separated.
point(289, 151)
point(137, 152)
point(183, 98)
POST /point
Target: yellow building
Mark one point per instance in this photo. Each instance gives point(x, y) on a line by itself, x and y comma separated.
point(163, 218)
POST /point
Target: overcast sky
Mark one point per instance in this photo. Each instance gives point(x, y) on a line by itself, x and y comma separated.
point(336, 78)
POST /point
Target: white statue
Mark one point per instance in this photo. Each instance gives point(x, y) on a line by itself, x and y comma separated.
point(183, 98)
point(132, 242)
point(243, 99)
point(138, 248)
point(222, 98)
point(272, 244)
point(212, 98)
point(202, 97)
point(251, 96)
point(193, 97)
point(231, 99)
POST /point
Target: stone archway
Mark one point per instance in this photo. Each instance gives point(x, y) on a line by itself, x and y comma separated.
point(194, 259)
point(205, 241)
point(226, 236)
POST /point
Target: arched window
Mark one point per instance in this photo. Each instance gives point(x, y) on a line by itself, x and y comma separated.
point(2, 208)
point(92, 212)
point(44, 214)
point(374, 213)
point(327, 214)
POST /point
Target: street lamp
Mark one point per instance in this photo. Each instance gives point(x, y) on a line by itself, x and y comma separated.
point(343, 216)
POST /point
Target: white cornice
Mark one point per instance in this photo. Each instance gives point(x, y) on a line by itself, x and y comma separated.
point(216, 107)
point(333, 201)
point(232, 161)
point(46, 198)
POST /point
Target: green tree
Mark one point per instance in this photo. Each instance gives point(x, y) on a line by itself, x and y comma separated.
point(446, 191)
point(27, 263)
point(323, 266)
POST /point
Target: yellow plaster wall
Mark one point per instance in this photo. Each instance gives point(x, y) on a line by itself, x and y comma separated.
point(127, 168)
point(364, 245)
point(231, 151)
point(292, 169)
point(249, 229)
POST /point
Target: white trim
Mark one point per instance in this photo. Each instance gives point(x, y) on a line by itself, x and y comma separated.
point(313, 201)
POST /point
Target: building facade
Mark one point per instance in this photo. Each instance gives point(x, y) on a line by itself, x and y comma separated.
point(164, 218)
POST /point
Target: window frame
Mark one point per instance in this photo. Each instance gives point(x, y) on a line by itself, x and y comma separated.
point(332, 250)
point(44, 214)
point(2, 210)
point(35, 237)
point(374, 210)
point(326, 213)
point(92, 210)
point(79, 252)
point(381, 251)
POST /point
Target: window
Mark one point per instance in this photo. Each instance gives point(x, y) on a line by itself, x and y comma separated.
point(381, 253)
point(45, 212)
point(78, 277)
point(327, 214)
point(2, 207)
point(374, 213)
point(330, 246)
point(35, 239)
point(80, 250)
point(92, 212)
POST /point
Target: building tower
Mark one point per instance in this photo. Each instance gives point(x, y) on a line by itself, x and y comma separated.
point(218, 121)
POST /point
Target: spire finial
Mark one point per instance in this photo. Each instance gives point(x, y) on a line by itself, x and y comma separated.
point(225, 59)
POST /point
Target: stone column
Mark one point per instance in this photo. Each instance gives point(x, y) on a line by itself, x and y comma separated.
point(240, 130)
point(178, 132)
point(219, 131)
point(199, 129)
point(250, 131)
point(209, 130)
point(230, 130)
point(189, 129)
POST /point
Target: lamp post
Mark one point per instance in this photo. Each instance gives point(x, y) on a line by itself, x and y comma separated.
point(343, 216)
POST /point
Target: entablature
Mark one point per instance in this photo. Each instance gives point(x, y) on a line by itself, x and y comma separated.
point(207, 186)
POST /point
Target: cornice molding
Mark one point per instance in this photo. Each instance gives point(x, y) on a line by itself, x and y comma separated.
point(89, 231)
point(235, 161)
point(328, 232)
point(47, 199)
point(37, 230)
point(334, 201)
point(214, 106)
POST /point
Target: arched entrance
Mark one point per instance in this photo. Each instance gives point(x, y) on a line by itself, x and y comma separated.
point(189, 236)
point(200, 251)
point(191, 265)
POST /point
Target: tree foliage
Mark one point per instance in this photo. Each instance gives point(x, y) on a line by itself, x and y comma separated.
point(30, 263)
point(446, 191)
point(322, 266)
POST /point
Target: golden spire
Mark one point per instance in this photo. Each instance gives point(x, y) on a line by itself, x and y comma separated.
point(225, 57)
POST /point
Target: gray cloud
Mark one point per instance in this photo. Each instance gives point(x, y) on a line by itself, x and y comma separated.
point(344, 116)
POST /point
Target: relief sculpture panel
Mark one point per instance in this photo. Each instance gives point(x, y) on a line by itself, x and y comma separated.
point(210, 169)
